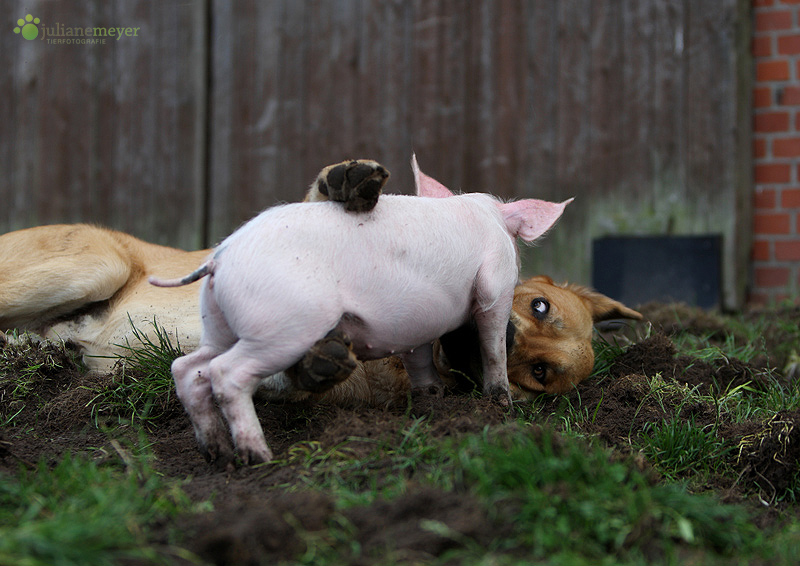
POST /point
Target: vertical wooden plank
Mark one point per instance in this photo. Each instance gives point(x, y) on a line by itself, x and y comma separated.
point(336, 63)
point(606, 159)
point(541, 98)
point(66, 101)
point(504, 178)
point(245, 104)
point(668, 105)
point(635, 129)
point(451, 37)
point(426, 86)
point(291, 178)
point(574, 22)
point(18, 130)
point(391, 32)
point(156, 147)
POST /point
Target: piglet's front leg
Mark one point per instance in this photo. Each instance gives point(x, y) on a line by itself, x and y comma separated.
point(422, 371)
point(492, 336)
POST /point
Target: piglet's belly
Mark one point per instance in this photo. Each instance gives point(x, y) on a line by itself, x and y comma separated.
point(379, 339)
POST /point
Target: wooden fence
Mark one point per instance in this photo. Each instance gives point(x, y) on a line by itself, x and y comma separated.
point(214, 110)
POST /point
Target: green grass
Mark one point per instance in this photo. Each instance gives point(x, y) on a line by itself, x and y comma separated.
point(82, 513)
point(558, 490)
point(679, 447)
point(142, 389)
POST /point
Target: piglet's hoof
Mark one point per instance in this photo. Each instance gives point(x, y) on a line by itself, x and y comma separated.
point(220, 455)
point(328, 362)
point(499, 395)
point(356, 183)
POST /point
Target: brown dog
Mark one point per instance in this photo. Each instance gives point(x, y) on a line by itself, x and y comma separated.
point(87, 285)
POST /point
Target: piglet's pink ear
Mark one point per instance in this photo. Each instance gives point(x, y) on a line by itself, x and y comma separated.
point(427, 186)
point(531, 218)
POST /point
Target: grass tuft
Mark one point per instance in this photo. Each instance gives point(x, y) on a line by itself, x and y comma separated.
point(142, 389)
point(680, 447)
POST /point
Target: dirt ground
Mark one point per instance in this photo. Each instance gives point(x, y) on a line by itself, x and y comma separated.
point(250, 524)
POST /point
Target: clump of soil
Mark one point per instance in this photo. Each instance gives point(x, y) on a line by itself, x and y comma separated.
point(768, 455)
point(38, 382)
point(656, 356)
point(267, 528)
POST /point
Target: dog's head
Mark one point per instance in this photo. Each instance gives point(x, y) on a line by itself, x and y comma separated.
point(551, 350)
point(548, 340)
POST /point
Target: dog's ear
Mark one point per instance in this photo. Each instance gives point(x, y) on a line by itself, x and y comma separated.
point(602, 307)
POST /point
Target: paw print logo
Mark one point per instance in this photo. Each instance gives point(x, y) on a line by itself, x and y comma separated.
point(28, 27)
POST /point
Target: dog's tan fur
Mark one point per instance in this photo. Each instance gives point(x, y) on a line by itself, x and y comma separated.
point(87, 284)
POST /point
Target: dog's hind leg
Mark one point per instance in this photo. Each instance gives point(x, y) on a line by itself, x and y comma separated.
point(50, 271)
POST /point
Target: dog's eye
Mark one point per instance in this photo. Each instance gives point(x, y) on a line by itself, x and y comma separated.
point(540, 307)
point(539, 372)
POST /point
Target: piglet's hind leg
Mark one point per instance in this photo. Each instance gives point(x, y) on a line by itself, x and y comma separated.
point(234, 379)
point(193, 387)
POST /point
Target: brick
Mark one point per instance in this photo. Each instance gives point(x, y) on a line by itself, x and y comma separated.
point(771, 276)
point(765, 199)
point(759, 148)
point(790, 198)
point(764, 223)
point(787, 251)
point(789, 45)
point(774, 20)
point(772, 71)
point(761, 251)
point(786, 147)
point(771, 122)
point(773, 173)
point(762, 97)
point(791, 96)
point(761, 46)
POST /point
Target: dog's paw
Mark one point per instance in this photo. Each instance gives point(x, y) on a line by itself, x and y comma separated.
point(357, 183)
point(328, 362)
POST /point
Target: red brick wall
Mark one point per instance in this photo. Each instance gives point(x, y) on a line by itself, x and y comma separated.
point(776, 140)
